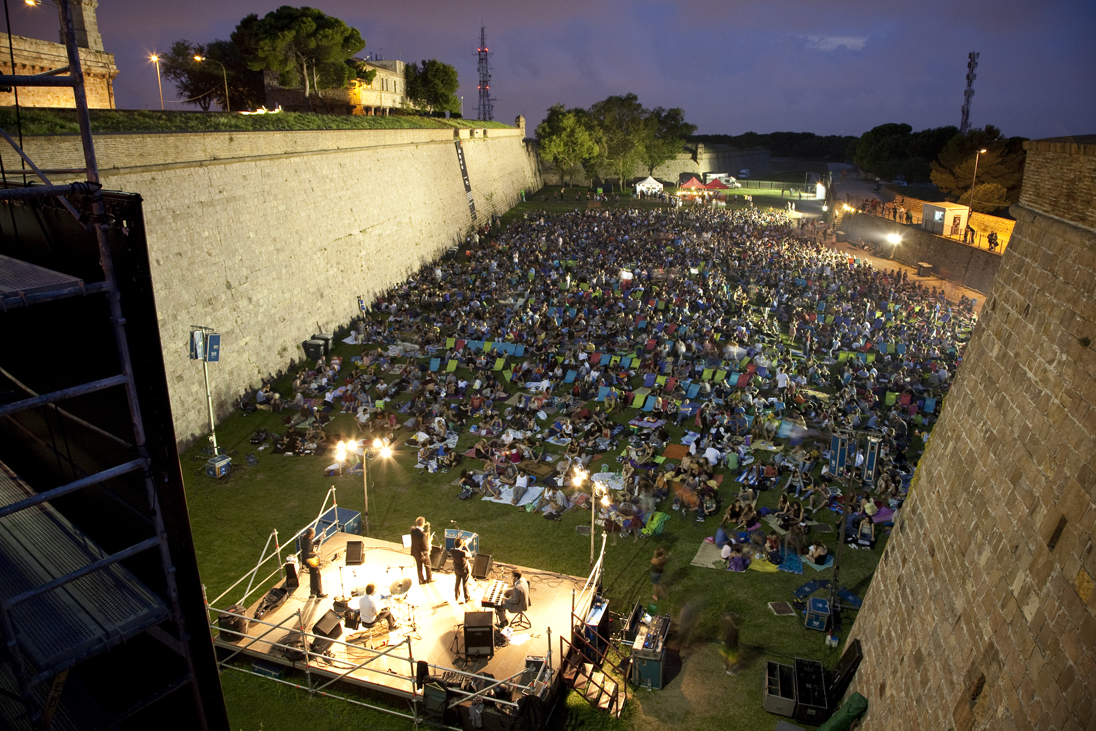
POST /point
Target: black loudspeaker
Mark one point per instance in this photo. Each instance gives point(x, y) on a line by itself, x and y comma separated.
point(438, 558)
point(353, 619)
point(481, 566)
point(292, 581)
point(845, 670)
point(479, 634)
point(234, 624)
point(329, 628)
point(355, 553)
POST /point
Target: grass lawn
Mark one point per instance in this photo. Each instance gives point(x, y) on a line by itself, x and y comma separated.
point(106, 121)
point(232, 518)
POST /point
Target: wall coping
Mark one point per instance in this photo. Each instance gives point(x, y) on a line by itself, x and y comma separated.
point(1079, 145)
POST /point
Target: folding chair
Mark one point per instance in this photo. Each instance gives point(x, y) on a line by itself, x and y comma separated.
point(435, 364)
point(570, 377)
point(694, 389)
point(637, 402)
point(649, 380)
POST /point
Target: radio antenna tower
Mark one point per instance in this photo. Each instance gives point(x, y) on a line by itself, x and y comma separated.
point(964, 125)
point(486, 106)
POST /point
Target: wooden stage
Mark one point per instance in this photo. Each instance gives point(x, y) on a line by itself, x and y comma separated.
point(430, 622)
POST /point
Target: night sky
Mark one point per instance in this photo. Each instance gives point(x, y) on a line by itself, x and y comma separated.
point(836, 67)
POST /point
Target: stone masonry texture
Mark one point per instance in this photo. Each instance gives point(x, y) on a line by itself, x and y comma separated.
point(982, 613)
point(270, 237)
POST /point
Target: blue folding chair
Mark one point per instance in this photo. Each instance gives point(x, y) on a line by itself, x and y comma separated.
point(694, 389)
point(649, 380)
point(602, 392)
point(435, 364)
point(930, 405)
point(570, 378)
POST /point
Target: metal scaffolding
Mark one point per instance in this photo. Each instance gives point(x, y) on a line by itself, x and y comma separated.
point(70, 598)
point(486, 106)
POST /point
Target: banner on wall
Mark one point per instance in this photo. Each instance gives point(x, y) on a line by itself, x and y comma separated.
point(467, 182)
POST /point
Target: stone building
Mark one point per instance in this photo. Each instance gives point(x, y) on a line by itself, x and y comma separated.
point(982, 612)
point(386, 92)
point(33, 56)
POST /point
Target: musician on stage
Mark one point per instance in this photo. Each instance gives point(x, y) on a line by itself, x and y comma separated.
point(516, 598)
point(462, 559)
point(420, 549)
point(310, 546)
point(372, 610)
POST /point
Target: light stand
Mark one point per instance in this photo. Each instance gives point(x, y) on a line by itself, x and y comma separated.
point(205, 345)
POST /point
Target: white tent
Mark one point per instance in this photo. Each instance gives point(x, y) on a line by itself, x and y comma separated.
point(650, 185)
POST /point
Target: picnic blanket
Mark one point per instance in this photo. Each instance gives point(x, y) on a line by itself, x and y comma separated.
point(883, 515)
point(827, 564)
point(793, 564)
point(530, 495)
point(675, 451)
point(707, 556)
point(536, 468)
point(647, 423)
point(763, 565)
point(614, 480)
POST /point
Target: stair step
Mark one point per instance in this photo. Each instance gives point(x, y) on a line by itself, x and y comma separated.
point(608, 699)
point(596, 688)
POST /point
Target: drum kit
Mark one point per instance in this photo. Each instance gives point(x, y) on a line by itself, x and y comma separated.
point(394, 597)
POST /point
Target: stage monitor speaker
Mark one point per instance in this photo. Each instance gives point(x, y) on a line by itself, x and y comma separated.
point(479, 634)
point(438, 558)
point(481, 567)
point(292, 581)
point(355, 553)
point(329, 628)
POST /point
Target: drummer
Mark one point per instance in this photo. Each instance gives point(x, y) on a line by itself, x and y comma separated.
point(372, 610)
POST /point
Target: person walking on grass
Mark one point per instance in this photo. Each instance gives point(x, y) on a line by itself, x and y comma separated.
point(658, 565)
point(729, 651)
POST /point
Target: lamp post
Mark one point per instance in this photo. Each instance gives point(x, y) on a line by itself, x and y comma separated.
point(462, 107)
point(340, 455)
point(224, 72)
point(156, 60)
point(972, 181)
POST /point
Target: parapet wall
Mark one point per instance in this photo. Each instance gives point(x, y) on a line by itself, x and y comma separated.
point(982, 612)
point(269, 237)
point(967, 265)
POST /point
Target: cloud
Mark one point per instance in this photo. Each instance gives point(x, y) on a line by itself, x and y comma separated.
point(832, 43)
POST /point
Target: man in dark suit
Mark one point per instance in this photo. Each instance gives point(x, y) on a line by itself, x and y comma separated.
point(420, 549)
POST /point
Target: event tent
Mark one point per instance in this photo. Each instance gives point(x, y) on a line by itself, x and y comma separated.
point(692, 183)
point(717, 184)
point(650, 185)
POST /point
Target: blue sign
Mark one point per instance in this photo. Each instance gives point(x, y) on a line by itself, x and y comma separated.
point(213, 347)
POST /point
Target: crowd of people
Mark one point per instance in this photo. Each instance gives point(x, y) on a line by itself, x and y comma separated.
point(672, 348)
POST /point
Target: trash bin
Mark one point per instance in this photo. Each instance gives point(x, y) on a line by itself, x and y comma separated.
point(924, 269)
point(841, 237)
point(313, 349)
point(326, 339)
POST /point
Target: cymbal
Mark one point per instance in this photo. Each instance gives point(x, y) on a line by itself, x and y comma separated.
point(400, 587)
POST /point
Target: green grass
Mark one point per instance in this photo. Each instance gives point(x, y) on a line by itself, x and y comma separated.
point(232, 518)
point(106, 121)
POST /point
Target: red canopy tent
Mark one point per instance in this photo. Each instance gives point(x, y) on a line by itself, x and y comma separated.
point(692, 183)
point(716, 184)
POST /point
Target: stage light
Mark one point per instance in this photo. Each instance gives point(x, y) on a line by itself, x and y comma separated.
point(894, 238)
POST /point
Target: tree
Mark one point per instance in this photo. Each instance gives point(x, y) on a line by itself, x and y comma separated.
point(890, 150)
point(621, 122)
point(665, 133)
point(201, 84)
point(1002, 164)
point(432, 85)
point(988, 197)
point(304, 46)
point(565, 140)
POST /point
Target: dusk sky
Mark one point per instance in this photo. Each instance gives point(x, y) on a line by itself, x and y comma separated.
point(838, 67)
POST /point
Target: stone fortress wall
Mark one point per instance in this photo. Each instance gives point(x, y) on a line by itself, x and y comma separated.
point(269, 237)
point(982, 612)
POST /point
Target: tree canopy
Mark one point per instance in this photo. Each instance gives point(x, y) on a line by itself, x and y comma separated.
point(566, 139)
point(892, 150)
point(1000, 168)
point(201, 84)
point(432, 85)
point(664, 135)
point(801, 145)
point(304, 46)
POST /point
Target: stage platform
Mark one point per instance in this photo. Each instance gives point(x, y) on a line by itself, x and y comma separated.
point(430, 622)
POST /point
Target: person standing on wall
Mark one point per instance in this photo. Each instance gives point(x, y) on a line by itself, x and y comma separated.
point(420, 549)
point(310, 555)
point(461, 557)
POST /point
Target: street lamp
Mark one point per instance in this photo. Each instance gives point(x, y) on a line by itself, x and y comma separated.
point(224, 71)
point(462, 107)
point(156, 60)
point(972, 181)
point(340, 455)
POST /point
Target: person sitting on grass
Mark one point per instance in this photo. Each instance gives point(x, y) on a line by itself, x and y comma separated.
point(817, 553)
point(739, 560)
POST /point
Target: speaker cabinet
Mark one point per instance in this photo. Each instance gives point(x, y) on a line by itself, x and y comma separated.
point(481, 567)
point(353, 619)
point(479, 634)
point(438, 558)
point(355, 553)
point(292, 580)
point(328, 629)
